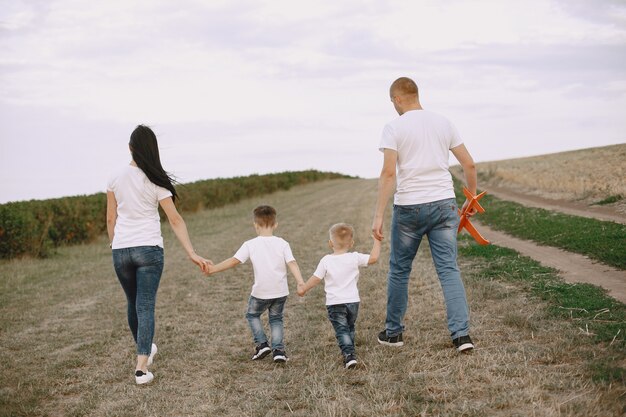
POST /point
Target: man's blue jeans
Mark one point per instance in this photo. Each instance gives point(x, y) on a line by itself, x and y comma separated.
point(139, 271)
point(275, 307)
point(343, 317)
point(438, 221)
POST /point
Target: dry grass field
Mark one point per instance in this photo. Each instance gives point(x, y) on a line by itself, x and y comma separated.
point(587, 175)
point(66, 349)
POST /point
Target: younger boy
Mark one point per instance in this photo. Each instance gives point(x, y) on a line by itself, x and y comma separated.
point(268, 254)
point(340, 270)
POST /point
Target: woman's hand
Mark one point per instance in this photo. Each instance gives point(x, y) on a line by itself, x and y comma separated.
point(202, 263)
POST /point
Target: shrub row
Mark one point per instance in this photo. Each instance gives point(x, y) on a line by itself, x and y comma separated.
point(34, 227)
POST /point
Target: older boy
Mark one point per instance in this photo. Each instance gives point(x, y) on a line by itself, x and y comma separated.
point(269, 254)
point(340, 271)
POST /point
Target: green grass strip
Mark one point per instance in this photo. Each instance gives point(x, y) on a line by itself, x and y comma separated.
point(588, 306)
point(599, 240)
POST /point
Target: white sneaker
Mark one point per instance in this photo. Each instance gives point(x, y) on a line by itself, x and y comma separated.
point(143, 378)
point(153, 352)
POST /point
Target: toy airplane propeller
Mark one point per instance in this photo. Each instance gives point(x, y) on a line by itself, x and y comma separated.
point(465, 219)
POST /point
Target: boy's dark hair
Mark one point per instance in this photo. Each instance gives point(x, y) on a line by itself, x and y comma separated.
point(265, 216)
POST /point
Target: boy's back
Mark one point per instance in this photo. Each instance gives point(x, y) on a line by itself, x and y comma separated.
point(340, 273)
point(269, 256)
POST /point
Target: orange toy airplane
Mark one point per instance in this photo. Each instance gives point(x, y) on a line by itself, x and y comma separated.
point(465, 221)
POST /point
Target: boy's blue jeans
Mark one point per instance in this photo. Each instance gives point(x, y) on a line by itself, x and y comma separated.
point(275, 307)
point(439, 221)
point(343, 317)
point(139, 271)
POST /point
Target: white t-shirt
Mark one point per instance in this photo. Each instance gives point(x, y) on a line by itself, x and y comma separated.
point(269, 256)
point(341, 274)
point(138, 222)
point(423, 140)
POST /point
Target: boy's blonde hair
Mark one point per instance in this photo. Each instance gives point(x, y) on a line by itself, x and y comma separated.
point(265, 216)
point(341, 234)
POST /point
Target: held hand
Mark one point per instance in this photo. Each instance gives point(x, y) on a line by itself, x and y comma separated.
point(202, 263)
point(300, 291)
point(377, 229)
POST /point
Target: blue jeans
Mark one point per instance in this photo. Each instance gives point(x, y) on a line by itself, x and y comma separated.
point(439, 221)
point(343, 317)
point(275, 307)
point(139, 271)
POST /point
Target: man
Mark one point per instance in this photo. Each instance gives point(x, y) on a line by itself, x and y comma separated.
point(417, 146)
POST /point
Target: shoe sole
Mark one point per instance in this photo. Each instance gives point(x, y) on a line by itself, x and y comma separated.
point(351, 364)
point(382, 342)
point(262, 353)
point(280, 359)
point(465, 347)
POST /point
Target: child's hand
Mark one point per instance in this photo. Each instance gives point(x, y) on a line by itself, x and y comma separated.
point(210, 269)
point(300, 290)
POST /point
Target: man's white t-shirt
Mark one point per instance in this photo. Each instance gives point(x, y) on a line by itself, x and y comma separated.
point(423, 140)
point(341, 274)
point(269, 256)
point(138, 222)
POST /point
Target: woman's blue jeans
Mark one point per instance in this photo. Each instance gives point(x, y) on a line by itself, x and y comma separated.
point(343, 318)
point(438, 221)
point(275, 307)
point(139, 271)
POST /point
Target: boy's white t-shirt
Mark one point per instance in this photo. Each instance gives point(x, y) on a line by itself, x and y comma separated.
point(138, 222)
point(341, 274)
point(423, 140)
point(269, 256)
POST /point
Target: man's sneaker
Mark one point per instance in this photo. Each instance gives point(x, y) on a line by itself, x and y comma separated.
point(383, 339)
point(349, 361)
point(463, 343)
point(280, 356)
point(262, 351)
point(153, 352)
point(143, 377)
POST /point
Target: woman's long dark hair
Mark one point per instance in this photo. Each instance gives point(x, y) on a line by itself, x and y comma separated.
point(145, 152)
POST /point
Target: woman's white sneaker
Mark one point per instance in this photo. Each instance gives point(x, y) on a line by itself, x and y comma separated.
point(143, 377)
point(153, 352)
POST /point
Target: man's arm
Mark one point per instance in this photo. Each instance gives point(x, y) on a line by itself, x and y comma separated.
point(469, 170)
point(375, 252)
point(386, 186)
point(295, 270)
point(223, 266)
point(306, 286)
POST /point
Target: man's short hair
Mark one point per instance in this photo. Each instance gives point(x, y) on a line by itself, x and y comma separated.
point(265, 216)
point(341, 234)
point(403, 86)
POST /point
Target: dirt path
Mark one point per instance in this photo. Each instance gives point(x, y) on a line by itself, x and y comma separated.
point(563, 206)
point(573, 267)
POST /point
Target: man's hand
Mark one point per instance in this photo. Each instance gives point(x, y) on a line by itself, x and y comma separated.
point(377, 228)
point(471, 211)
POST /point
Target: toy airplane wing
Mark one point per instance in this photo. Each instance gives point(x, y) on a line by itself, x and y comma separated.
point(465, 219)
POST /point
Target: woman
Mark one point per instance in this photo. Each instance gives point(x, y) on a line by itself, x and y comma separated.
point(133, 224)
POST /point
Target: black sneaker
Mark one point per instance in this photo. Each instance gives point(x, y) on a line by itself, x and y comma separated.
point(349, 361)
point(280, 356)
point(463, 343)
point(383, 339)
point(262, 351)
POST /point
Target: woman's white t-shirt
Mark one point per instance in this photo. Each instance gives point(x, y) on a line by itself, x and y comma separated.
point(269, 256)
point(341, 274)
point(138, 222)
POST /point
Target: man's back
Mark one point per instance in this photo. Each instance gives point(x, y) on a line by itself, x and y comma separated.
point(423, 140)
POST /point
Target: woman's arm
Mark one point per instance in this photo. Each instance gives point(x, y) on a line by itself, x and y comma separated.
point(180, 230)
point(111, 215)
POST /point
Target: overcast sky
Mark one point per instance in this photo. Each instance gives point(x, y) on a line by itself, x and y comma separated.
point(236, 87)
